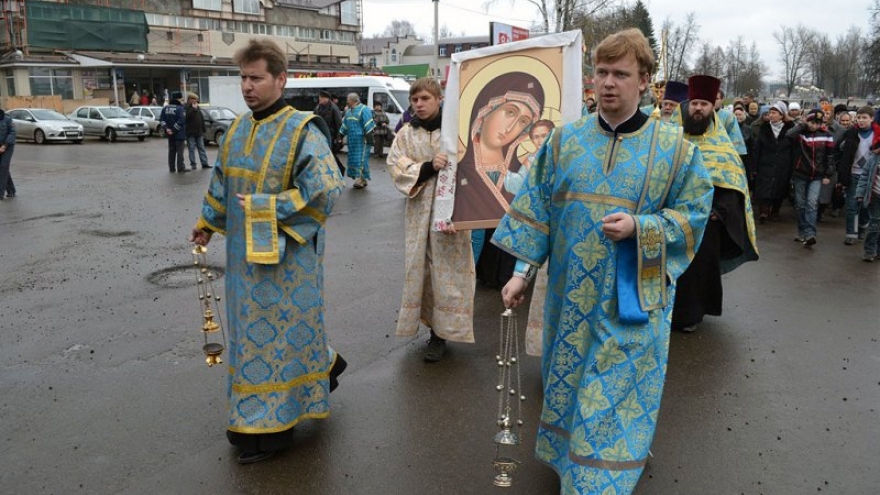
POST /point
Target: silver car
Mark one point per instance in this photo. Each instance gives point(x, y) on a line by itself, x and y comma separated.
point(110, 123)
point(42, 124)
point(150, 115)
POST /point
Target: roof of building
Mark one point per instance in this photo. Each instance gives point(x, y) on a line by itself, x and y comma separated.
point(368, 46)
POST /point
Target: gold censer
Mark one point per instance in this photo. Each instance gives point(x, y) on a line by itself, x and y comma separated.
point(208, 307)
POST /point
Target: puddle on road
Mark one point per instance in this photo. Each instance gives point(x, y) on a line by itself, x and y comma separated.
point(177, 277)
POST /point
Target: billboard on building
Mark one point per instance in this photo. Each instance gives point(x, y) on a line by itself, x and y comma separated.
point(500, 33)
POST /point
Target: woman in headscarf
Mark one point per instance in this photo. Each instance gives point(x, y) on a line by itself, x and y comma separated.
point(773, 162)
point(501, 118)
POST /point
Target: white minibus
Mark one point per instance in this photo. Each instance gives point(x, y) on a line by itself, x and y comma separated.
point(391, 92)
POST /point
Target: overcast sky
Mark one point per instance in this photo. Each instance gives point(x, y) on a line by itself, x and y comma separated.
point(720, 22)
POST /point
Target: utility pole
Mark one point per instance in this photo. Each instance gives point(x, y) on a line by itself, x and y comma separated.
point(436, 68)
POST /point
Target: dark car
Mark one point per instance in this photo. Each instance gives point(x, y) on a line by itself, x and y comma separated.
point(217, 122)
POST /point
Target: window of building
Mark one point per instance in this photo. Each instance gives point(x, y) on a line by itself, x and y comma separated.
point(442, 50)
point(155, 19)
point(209, 24)
point(238, 27)
point(198, 83)
point(208, 4)
point(394, 54)
point(326, 35)
point(45, 82)
point(307, 33)
point(346, 36)
point(246, 6)
point(348, 13)
point(457, 49)
point(10, 82)
point(96, 79)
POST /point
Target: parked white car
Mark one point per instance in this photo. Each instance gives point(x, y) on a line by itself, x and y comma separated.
point(150, 115)
point(110, 123)
point(42, 124)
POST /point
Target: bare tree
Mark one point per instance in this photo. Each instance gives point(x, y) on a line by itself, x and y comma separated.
point(561, 14)
point(849, 58)
point(794, 45)
point(734, 65)
point(399, 28)
point(752, 76)
point(820, 58)
point(679, 44)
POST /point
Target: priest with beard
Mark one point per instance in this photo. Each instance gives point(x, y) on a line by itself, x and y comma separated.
point(729, 239)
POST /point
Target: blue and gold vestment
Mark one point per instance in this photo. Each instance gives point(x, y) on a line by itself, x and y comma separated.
point(603, 374)
point(278, 355)
point(357, 123)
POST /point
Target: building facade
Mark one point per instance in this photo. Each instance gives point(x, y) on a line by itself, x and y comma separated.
point(101, 48)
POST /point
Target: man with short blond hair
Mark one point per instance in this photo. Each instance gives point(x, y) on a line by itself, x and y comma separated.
point(270, 198)
point(616, 203)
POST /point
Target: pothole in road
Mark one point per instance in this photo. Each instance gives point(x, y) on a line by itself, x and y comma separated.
point(177, 277)
point(109, 233)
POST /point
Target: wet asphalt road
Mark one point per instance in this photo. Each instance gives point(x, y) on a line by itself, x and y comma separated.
point(103, 388)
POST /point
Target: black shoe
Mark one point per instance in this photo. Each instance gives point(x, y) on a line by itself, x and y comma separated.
point(338, 367)
point(193, 167)
point(810, 241)
point(10, 195)
point(207, 166)
point(252, 457)
point(435, 350)
point(184, 171)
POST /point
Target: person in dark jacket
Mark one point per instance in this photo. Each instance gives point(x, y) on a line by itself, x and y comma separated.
point(173, 120)
point(739, 111)
point(857, 147)
point(330, 113)
point(813, 161)
point(195, 132)
point(7, 146)
point(406, 117)
point(771, 163)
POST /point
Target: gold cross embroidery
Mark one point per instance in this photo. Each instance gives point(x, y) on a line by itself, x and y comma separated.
point(650, 239)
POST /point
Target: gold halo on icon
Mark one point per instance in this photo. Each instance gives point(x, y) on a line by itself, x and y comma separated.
point(515, 63)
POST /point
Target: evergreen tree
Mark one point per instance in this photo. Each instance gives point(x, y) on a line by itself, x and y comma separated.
point(641, 18)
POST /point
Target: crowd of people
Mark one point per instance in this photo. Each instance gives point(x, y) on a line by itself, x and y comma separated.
point(635, 214)
point(813, 158)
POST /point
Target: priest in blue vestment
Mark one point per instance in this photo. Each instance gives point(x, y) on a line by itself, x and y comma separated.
point(615, 204)
point(273, 188)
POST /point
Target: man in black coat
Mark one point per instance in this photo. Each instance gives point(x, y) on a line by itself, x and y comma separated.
point(330, 113)
point(195, 132)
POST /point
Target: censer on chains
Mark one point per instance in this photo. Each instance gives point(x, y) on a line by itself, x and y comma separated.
point(509, 393)
point(208, 301)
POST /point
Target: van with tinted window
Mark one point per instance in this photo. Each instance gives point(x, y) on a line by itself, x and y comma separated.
point(391, 92)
